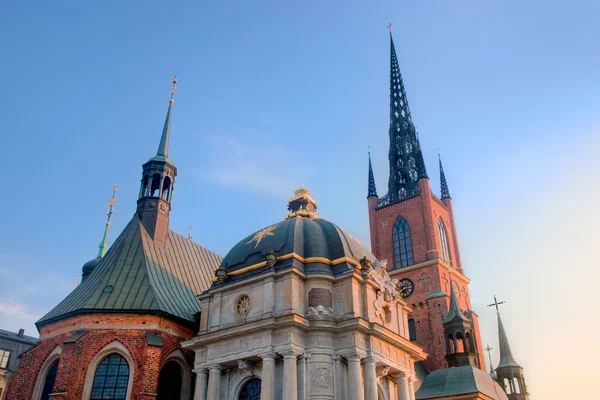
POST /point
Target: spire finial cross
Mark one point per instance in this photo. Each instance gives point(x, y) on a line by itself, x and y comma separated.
point(489, 349)
point(111, 203)
point(190, 233)
point(496, 303)
point(173, 89)
point(389, 26)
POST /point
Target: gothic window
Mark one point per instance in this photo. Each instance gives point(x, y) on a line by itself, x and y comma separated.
point(445, 248)
point(111, 379)
point(251, 390)
point(403, 253)
point(412, 329)
point(49, 381)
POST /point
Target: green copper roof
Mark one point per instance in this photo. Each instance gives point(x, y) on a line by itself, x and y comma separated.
point(459, 381)
point(139, 276)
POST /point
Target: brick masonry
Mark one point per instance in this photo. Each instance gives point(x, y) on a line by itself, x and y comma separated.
point(129, 330)
point(422, 213)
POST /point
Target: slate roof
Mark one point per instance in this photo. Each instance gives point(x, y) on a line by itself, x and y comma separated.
point(506, 357)
point(459, 381)
point(8, 335)
point(139, 276)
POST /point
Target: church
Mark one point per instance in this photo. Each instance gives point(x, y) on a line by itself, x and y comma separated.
point(298, 309)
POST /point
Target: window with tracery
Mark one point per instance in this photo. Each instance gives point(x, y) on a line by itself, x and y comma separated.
point(403, 252)
point(111, 379)
point(251, 390)
point(444, 241)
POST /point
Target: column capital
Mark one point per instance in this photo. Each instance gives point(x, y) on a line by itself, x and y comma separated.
point(402, 376)
point(288, 354)
point(369, 360)
point(200, 371)
point(268, 356)
point(215, 367)
point(353, 357)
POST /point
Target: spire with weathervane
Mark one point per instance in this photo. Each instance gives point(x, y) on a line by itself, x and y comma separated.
point(372, 189)
point(89, 266)
point(509, 373)
point(158, 178)
point(407, 165)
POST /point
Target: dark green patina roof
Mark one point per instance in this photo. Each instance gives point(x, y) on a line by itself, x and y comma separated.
point(140, 276)
point(506, 357)
point(303, 236)
point(459, 381)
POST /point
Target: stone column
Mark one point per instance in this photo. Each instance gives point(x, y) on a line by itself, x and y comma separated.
point(268, 377)
point(214, 382)
point(355, 386)
point(411, 388)
point(402, 379)
point(201, 384)
point(370, 378)
point(338, 384)
point(290, 376)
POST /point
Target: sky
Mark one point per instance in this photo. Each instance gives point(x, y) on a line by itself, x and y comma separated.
point(274, 94)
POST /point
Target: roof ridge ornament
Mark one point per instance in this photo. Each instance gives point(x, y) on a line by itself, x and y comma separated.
point(302, 205)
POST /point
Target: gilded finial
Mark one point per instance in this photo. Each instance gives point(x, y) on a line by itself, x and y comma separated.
point(389, 26)
point(173, 89)
point(111, 208)
point(302, 204)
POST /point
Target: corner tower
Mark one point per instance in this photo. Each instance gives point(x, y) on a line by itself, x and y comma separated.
point(158, 179)
point(415, 231)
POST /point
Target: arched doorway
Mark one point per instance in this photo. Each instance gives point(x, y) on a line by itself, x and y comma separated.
point(170, 381)
point(49, 381)
point(251, 390)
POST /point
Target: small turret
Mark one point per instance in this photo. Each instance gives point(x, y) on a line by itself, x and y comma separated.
point(443, 183)
point(158, 179)
point(461, 349)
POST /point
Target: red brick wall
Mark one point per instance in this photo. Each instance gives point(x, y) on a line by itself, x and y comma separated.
point(422, 213)
point(76, 357)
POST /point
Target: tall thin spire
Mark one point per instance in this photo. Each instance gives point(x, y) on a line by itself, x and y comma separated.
point(163, 147)
point(443, 183)
point(372, 189)
point(406, 158)
point(111, 207)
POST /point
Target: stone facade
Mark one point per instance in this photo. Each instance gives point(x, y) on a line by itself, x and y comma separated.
point(306, 337)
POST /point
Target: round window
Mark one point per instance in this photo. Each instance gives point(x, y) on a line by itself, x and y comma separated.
point(242, 306)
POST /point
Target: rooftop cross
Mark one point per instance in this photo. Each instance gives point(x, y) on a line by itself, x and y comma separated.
point(496, 303)
point(173, 89)
point(389, 26)
point(190, 233)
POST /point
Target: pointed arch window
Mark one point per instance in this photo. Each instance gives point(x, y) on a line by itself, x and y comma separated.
point(445, 248)
point(111, 379)
point(403, 252)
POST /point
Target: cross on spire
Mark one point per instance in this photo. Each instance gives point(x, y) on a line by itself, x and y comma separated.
point(489, 349)
point(496, 303)
point(111, 208)
point(389, 26)
point(173, 89)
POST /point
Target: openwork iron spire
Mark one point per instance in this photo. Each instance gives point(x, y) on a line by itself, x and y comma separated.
point(406, 159)
point(372, 189)
point(444, 184)
point(163, 146)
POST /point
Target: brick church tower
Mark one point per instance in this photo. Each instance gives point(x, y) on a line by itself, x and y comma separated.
point(415, 232)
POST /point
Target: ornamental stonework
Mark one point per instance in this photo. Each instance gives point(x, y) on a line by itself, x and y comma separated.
point(320, 378)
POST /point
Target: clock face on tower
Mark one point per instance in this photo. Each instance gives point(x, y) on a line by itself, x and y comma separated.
point(456, 289)
point(406, 287)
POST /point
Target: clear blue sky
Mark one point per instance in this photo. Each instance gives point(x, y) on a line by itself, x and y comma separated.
point(279, 93)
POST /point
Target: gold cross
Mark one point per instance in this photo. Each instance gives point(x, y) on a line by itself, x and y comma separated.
point(389, 26)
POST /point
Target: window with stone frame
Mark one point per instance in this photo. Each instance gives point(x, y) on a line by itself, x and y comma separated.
point(251, 390)
point(111, 379)
point(4, 356)
point(403, 252)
